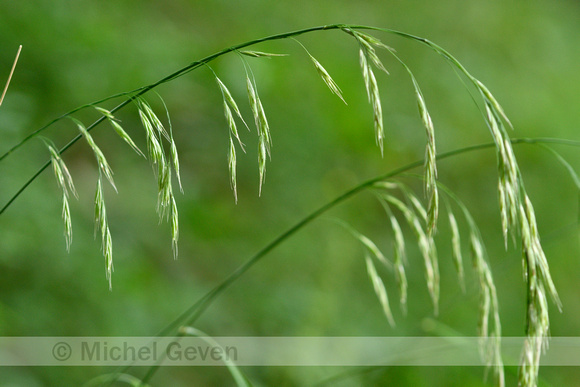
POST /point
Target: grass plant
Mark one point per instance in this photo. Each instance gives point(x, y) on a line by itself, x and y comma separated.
point(407, 211)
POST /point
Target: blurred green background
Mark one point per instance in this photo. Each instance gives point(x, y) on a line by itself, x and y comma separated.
point(315, 284)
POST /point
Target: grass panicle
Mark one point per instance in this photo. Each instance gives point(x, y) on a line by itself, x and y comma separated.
point(517, 219)
point(517, 213)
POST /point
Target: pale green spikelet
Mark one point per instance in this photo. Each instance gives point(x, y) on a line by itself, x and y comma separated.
point(154, 147)
point(264, 139)
point(155, 121)
point(171, 140)
point(120, 131)
point(175, 161)
point(380, 289)
point(332, 85)
point(264, 128)
point(260, 54)
point(426, 246)
point(430, 161)
point(67, 221)
point(370, 246)
point(489, 97)
point(61, 171)
point(456, 249)
point(230, 103)
point(368, 44)
point(165, 193)
point(490, 332)
point(232, 168)
point(400, 255)
point(65, 182)
point(101, 160)
point(540, 283)
point(101, 224)
point(262, 150)
point(372, 88)
point(174, 227)
point(367, 52)
point(374, 98)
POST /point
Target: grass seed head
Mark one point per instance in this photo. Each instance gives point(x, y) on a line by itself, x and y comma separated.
point(67, 221)
point(101, 224)
point(174, 227)
point(456, 249)
point(119, 129)
point(232, 168)
point(380, 290)
point(332, 85)
point(101, 160)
